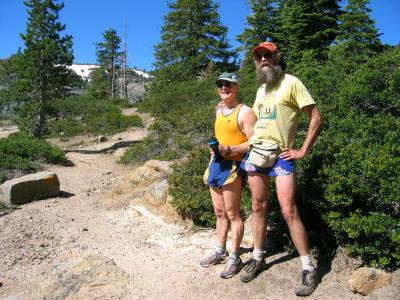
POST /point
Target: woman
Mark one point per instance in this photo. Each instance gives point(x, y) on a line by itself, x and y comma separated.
point(233, 127)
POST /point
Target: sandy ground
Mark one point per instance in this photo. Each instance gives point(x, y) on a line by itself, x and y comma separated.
point(6, 128)
point(91, 243)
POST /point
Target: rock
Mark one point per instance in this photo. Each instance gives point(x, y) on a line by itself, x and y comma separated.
point(273, 241)
point(159, 166)
point(386, 292)
point(102, 139)
point(82, 277)
point(151, 171)
point(396, 278)
point(29, 188)
point(343, 262)
point(157, 193)
point(366, 280)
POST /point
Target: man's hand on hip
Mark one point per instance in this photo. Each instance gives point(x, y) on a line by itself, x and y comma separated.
point(289, 154)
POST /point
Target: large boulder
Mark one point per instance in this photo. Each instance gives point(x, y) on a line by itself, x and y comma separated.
point(157, 193)
point(366, 280)
point(29, 188)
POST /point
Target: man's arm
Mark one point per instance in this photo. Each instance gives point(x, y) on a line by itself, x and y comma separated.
point(246, 119)
point(314, 127)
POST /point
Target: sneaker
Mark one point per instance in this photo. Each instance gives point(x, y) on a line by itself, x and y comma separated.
point(232, 267)
point(309, 280)
point(213, 259)
point(252, 269)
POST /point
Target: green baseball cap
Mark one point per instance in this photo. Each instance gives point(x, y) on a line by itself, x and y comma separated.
point(232, 77)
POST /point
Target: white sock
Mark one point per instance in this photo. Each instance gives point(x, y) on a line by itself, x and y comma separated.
point(258, 254)
point(306, 263)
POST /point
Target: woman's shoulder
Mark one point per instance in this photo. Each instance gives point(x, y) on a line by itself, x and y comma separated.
point(245, 108)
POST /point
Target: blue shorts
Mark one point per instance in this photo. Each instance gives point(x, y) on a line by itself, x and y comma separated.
point(280, 168)
point(222, 173)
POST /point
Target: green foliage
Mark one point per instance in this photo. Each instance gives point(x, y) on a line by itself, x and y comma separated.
point(191, 197)
point(87, 115)
point(261, 26)
point(184, 118)
point(41, 71)
point(22, 152)
point(369, 92)
point(191, 37)
point(350, 179)
point(107, 56)
point(357, 31)
point(99, 85)
point(305, 28)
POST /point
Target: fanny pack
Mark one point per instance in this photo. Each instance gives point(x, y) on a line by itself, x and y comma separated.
point(263, 155)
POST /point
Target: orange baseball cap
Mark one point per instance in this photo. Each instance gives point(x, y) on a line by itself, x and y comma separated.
point(267, 46)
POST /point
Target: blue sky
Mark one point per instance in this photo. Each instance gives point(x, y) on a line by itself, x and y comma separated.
point(86, 20)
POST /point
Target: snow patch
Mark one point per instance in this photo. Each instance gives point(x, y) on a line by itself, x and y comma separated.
point(141, 73)
point(83, 70)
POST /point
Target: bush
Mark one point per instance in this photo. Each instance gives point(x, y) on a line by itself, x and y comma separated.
point(350, 179)
point(191, 197)
point(184, 120)
point(87, 115)
point(22, 152)
point(362, 187)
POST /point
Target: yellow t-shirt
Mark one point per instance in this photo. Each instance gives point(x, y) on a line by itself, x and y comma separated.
point(228, 132)
point(277, 111)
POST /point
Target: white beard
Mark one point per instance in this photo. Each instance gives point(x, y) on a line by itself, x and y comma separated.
point(268, 74)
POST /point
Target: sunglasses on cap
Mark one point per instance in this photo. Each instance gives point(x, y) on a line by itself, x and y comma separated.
point(227, 84)
point(266, 55)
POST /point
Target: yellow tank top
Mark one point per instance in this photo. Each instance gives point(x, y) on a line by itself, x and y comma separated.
point(228, 133)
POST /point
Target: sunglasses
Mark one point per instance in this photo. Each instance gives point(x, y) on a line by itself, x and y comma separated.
point(266, 55)
point(227, 84)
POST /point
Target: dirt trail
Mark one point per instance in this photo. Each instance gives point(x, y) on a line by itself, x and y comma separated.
point(92, 244)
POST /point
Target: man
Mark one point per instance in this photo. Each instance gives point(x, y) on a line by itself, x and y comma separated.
point(279, 101)
point(233, 127)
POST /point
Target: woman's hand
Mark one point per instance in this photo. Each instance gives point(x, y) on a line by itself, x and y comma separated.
point(224, 150)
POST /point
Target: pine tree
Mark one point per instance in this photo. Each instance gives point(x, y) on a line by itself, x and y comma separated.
point(192, 37)
point(358, 35)
point(306, 28)
point(108, 57)
point(261, 26)
point(41, 73)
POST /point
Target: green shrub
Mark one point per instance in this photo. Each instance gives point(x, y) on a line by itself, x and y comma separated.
point(151, 147)
point(362, 187)
point(191, 197)
point(68, 126)
point(184, 114)
point(87, 115)
point(22, 152)
point(111, 122)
